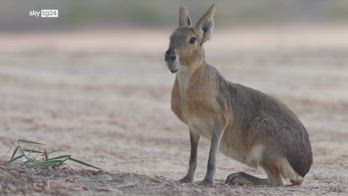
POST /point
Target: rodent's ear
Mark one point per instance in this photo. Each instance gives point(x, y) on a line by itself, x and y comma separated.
point(206, 24)
point(184, 17)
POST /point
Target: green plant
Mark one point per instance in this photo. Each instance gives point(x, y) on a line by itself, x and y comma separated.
point(40, 157)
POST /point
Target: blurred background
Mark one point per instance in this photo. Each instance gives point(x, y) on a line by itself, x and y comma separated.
point(93, 81)
point(157, 13)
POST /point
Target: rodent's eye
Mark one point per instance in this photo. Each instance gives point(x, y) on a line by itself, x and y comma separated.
point(193, 40)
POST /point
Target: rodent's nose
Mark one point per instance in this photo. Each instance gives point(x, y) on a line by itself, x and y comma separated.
point(170, 56)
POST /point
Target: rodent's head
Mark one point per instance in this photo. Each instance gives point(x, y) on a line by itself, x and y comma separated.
point(186, 42)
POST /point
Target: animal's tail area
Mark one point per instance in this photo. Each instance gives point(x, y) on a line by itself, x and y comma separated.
point(287, 172)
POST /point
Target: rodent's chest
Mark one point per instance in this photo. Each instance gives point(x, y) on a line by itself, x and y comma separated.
point(194, 97)
point(195, 104)
point(198, 110)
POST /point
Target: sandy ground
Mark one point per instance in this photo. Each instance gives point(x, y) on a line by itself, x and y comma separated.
point(104, 97)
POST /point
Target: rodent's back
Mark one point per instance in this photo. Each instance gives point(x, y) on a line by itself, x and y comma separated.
point(286, 130)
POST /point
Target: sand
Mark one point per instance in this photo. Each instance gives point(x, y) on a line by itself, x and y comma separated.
point(104, 97)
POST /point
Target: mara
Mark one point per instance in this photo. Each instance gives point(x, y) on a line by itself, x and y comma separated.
point(244, 124)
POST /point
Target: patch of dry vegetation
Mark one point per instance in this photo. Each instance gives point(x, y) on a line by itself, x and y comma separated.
point(31, 169)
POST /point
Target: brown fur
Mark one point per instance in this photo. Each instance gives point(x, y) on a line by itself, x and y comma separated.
point(245, 124)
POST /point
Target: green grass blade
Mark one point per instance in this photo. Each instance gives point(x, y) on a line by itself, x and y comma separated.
point(28, 142)
point(61, 162)
point(83, 163)
point(18, 157)
point(60, 157)
point(53, 151)
point(14, 153)
point(32, 151)
point(52, 163)
point(23, 153)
